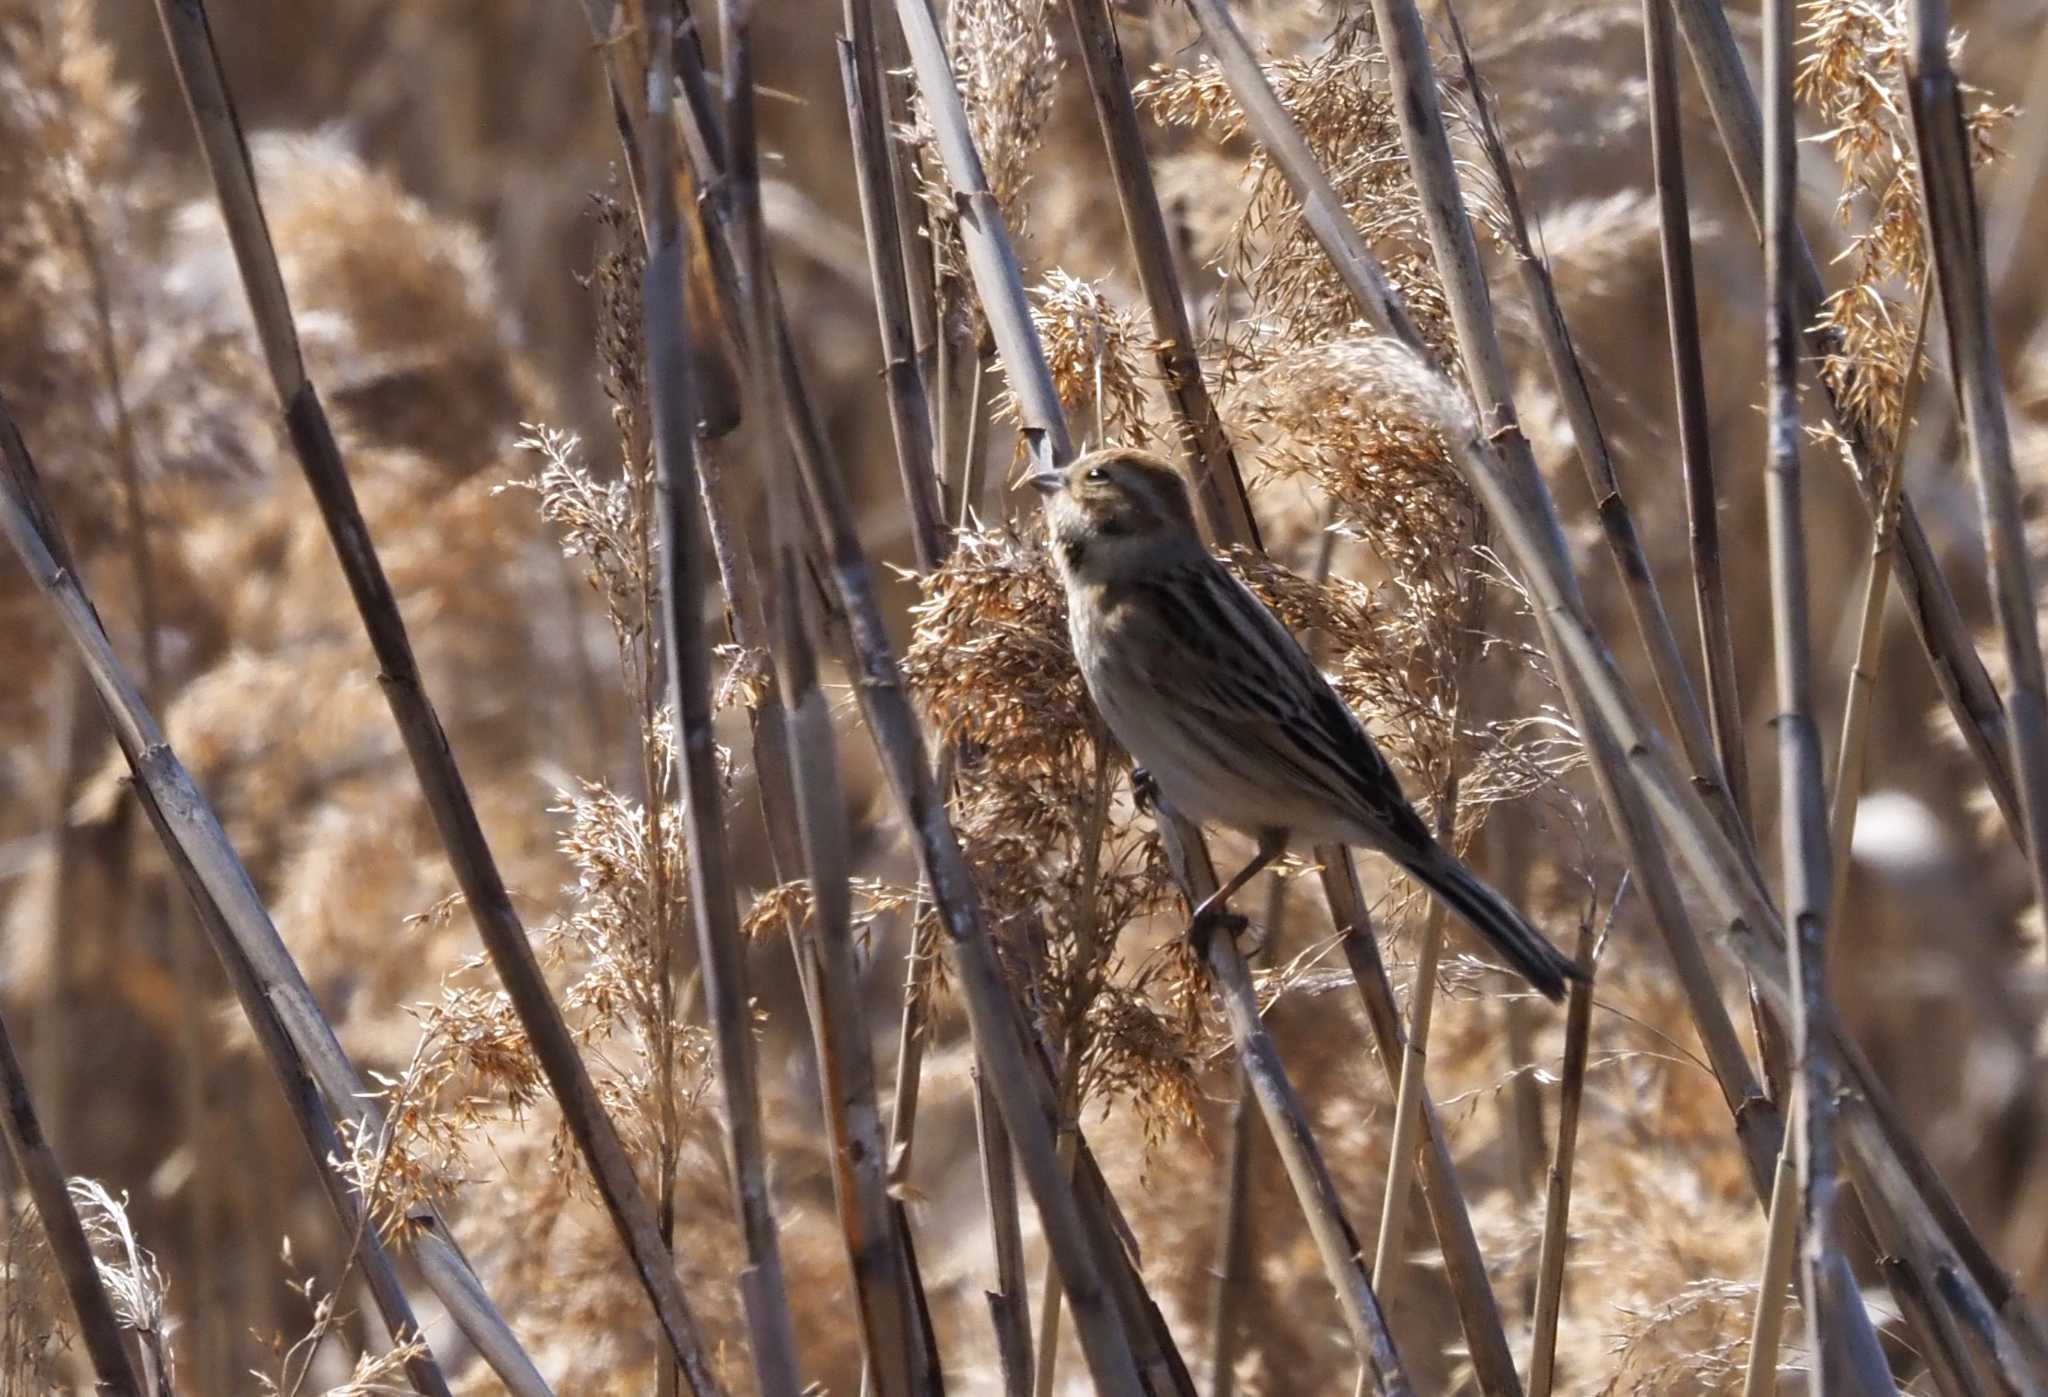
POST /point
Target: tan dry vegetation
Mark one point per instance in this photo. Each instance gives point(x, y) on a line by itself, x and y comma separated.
point(446, 192)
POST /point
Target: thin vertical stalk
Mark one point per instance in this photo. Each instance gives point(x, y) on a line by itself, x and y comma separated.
point(1956, 245)
point(1843, 1354)
point(1073, 1012)
point(1578, 1037)
point(1414, 1061)
point(35, 1162)
point(1862, 686)
point(1218, 484)
point(860, 72)
point(1945, 633)
point(212, 109)
point(1689, 384)
point(712, 896)
point(1617, 521)
point(1767, 1326)
point(881, 1271)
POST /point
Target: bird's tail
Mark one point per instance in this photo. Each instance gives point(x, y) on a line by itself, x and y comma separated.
point(1495, 919)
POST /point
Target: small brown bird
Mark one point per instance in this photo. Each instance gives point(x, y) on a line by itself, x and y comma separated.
point(1220, 705)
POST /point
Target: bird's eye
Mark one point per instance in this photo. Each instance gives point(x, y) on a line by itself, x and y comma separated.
point(1097, 475)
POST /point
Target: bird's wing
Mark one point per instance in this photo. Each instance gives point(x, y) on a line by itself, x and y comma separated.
point(1235, 663)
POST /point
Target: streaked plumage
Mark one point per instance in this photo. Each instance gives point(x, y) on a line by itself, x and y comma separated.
point(1219, 703)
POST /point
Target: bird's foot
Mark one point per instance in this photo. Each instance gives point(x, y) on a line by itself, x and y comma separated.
point(1208, 921)
point(1144, 790)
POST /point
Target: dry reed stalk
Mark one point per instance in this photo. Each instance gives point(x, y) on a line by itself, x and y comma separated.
point(1843, 1353)
point(1862, 686)
point(1956, 244)
point(909, 404)
point(1234, 1276)
point(713, 898)
point(1212, 466)
point(868, 1221)
point(886, 205)
point(1578, 1038)
point(297, 1040)
point(1941, 1344)
point(1696, 463)
point(1944, 632)
point(1464, 1267)
point(1093, 950)
point(1287, 1122)
point(1767, 1326)
point(1009, 1304)
point(1689, 384)
point(211, 105)
point(1617, 521)
point(35, 1163)
point(1414, 1061)
point(1910, 1276)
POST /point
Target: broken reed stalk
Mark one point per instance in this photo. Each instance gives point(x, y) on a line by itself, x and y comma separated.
point(1937, 1336)
point(1956, 247)
point(1689, 385)
point(909, 405)
point(1557, 1203)
point(36, 1165)
point(1219, 491)
point(712, 897)
point(867, 1218)
point(1862, 687)
point(1617, 521)
point(212, 109)
point(1941, 1344)
point(1843, 1354)
point(296, 1037)
point(1945, 634)
point(1009, 1304)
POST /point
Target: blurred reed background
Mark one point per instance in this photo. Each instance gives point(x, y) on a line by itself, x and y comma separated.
point(461, 239)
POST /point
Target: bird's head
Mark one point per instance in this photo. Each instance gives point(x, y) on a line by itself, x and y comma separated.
point(1116, 513)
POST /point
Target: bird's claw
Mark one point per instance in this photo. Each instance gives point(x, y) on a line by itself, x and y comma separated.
point(1205, 925)
point(1144, 790)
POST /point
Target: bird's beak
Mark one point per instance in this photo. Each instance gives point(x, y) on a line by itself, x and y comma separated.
point(1047, 482)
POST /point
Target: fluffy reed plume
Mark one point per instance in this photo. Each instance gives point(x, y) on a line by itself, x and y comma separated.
point(1852, 73)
